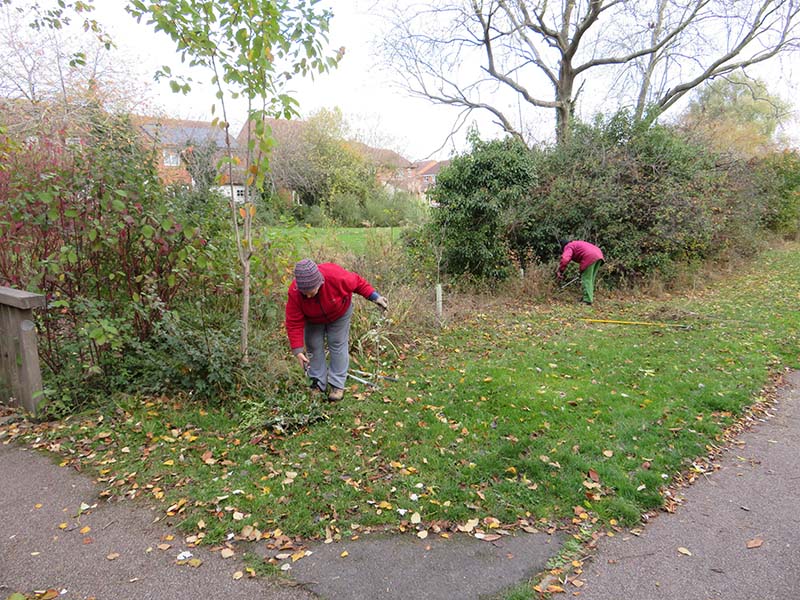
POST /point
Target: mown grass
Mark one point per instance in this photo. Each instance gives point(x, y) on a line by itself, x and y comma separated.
point(352, 239)
point(520, 413)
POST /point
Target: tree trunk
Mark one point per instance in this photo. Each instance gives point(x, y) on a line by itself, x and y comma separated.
point(564, 110)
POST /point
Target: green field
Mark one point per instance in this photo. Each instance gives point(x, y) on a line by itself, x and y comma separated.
point(353, 239)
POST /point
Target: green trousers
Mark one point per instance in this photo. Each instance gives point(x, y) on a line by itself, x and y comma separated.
point(588, 276)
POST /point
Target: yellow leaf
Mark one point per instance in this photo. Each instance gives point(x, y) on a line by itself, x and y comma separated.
point(554, 589)
point(685, 551)
point(242, 213)
point(62, 525)
point(169, 462)
point(345, 554)
point(238, 575)
point(194, 562)
point(37, 506)
point(85, 530)
point(252, 210)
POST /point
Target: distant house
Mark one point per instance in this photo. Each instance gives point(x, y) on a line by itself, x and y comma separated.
point(172, 138)
point(33, 122)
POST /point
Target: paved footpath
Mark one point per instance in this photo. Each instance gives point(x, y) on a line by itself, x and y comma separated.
point(753, 499)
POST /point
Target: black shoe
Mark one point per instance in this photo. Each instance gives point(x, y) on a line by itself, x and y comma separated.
point(314, 386)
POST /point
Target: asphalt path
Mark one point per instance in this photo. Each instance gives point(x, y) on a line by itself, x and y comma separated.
point(736, 536)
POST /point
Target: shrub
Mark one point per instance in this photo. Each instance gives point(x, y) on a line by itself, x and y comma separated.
point(88, 227)
point(473, 194)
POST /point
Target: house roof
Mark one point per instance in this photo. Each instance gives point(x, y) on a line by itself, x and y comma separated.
point(180, 132)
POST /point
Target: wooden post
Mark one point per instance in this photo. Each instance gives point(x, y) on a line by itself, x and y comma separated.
point(20, 375)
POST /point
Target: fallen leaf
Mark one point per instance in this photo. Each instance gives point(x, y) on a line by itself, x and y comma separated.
point(469, 526)
point(238, 575)
point(113, 556)
point(608, 453)
point(226, 553)
point(755, 543)
point(416, 518)
point(194, 562)
point(85, 530)
point(423, 534)
point(683, 550)
point(345, 554)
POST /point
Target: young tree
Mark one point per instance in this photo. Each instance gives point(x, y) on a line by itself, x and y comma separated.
point(251, 48)
point(541, 54)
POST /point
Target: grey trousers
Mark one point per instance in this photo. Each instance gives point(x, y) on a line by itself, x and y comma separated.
point(338, 336)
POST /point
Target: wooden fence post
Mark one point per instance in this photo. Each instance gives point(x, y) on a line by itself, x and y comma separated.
point(20, 375)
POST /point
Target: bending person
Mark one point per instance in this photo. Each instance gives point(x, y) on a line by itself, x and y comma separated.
point(589, 258)
point(318, 308)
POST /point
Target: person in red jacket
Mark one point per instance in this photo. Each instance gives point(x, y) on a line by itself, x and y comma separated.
point(319, 307)
point(589, 258)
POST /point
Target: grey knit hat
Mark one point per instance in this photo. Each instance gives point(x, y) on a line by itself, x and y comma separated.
point(307, 275)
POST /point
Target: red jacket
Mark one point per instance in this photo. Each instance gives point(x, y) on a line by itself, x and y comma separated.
point(331, 302)
point(581, 252)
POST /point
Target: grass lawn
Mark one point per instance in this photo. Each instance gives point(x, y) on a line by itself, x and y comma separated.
point(354, 239)
point(526, 415)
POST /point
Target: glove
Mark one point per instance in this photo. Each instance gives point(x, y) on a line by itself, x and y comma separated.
point(381, 301)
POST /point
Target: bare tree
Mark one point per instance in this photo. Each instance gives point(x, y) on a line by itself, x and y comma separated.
point(501, 55)
point(61, 69)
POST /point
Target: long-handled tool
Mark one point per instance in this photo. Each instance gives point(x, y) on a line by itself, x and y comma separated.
point(650, 323)
point(570, 282)
point(366, 374)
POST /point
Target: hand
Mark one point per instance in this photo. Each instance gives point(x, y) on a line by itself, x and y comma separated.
point(303, 360)
point(381, 301)
point(559, 275)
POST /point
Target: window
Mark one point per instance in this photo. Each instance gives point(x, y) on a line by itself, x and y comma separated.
point(240, 193)
point(171, 158)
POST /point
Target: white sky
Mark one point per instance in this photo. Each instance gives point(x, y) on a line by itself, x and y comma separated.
point(387, 116)
point(412, 126)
